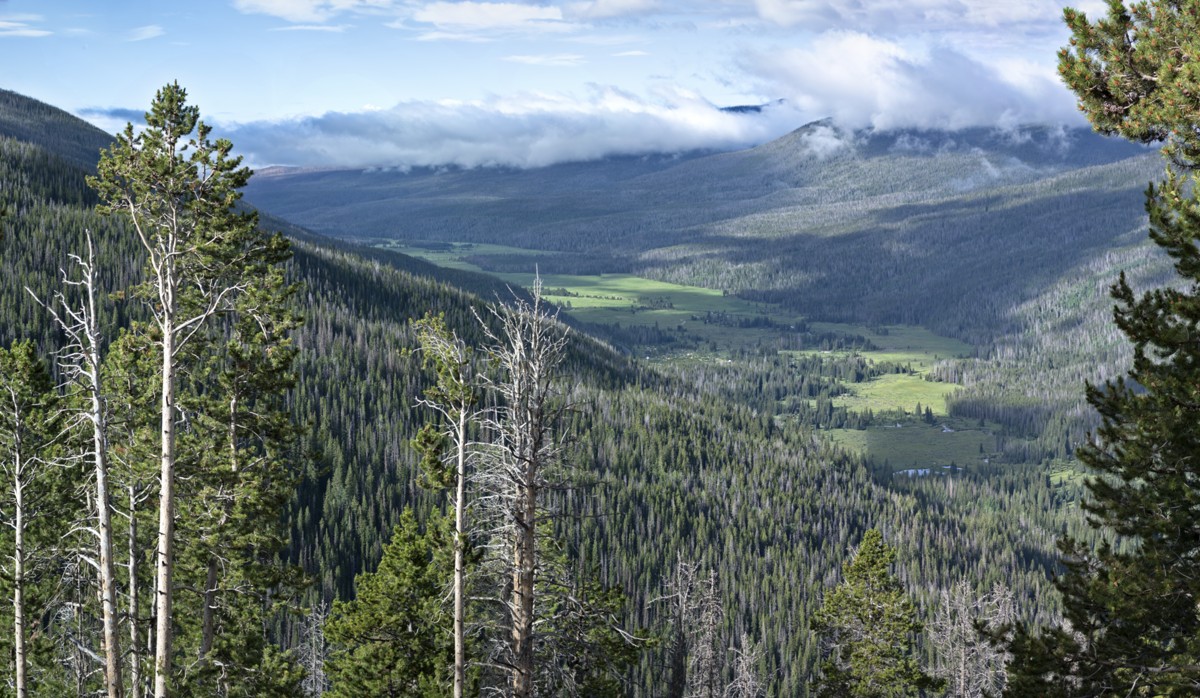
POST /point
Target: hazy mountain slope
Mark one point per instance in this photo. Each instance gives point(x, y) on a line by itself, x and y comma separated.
point(814, 164)
point(801, 220)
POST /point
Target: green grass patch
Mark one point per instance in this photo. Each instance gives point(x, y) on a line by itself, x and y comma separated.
point(897, 391)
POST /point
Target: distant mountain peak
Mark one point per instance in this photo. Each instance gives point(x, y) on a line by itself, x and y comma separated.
point(752, 108)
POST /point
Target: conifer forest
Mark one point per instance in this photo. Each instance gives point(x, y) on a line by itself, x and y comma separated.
point(741, 424)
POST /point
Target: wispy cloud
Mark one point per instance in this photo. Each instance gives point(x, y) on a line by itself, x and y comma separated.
point(555, 59)
point(114, 113)
point(22, 26)
point(624, 54)
point(903, 15)
point(488, 16)
point(332, 28)
point(606, 9)
point(112, 119)
point(310, 11)
point(448, 36)
point(523, 130)
point(149, 31)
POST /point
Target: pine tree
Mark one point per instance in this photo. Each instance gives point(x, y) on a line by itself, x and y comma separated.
point(179, 191)
point(867, 626)
point(393, 639)
point(453, 397)
point(1132, 622)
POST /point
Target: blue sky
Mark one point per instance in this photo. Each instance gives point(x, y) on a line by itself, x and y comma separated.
point(420, 82)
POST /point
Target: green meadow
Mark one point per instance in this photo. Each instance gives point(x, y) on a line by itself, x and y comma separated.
point(715, 322)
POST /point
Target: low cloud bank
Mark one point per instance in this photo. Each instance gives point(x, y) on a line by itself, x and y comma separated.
point(523, 131)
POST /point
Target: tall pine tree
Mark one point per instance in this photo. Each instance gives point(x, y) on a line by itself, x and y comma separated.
point(1133, 625)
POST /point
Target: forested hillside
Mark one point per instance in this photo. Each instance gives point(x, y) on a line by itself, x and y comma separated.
point(691, 463)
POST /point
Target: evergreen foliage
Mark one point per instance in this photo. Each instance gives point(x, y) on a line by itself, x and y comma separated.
point(394, 638)
point(30, 498)
point(868, 625)
point(1131, 619)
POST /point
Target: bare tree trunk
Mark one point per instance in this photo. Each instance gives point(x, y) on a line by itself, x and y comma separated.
point(522, 595)
point(82, 363)
point(135, 663)
point(313, 650)
point(746, 683)
point(460, 503)
point(165, 563)
point(208, 623)
point(704, 672)
point(90, 350)
point(108, 577)
point(22, 685)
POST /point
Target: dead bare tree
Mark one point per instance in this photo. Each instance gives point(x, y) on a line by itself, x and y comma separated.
point(528, 348)
point(746, 682)
point(80, 362)
point(679, 593)
point(707, 656)
point(971, 665)
point(313, 650)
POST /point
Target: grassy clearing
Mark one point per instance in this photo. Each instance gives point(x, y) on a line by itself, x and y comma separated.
point(717, 324)
point(903, 343)
point(897, 391)
point(914, 347)
point(627, 300)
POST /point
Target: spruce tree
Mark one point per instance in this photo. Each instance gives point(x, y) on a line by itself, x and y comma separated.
point(867, 626)
point(1130, 606)
point(394, 638)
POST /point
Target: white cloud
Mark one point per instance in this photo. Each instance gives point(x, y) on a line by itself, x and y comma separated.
point(634, 53)
point(149, 31)
point(450, 36)
point(486, 15)
point(605, 9)
point(22, 26)
point(523, 130)
point(555, 59)
point(905, 15)
point(867, 81)
point(308, 11)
